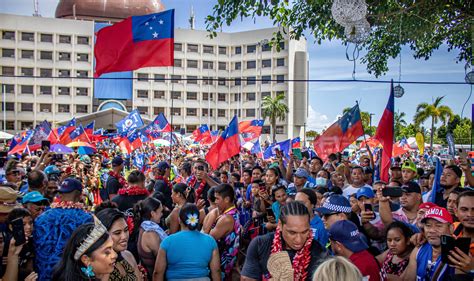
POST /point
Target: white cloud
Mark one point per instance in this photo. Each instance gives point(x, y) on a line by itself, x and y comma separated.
point(316, 120)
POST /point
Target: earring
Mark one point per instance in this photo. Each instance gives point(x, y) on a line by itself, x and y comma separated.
point(88, 271)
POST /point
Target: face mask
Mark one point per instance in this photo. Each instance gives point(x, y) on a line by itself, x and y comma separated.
point(321, 181)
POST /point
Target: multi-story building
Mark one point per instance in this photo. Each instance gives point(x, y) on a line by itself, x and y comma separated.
point(46, 65)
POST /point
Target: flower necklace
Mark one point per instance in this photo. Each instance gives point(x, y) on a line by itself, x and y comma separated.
point(302, 257)
point(200, 189)
point(67, 205)
point(120, 178)
point(167, 182)
point(133, 190)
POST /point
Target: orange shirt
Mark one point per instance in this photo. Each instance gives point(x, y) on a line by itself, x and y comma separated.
point(471, 247)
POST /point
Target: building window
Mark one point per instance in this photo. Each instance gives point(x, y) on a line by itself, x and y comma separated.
point(82, 73)
point(282, 45)
point(63, 91)
point(64, 39)
point(266, 130)
point(238, 50)
point(25, 125)
point(82, 91)
point(266, 94)
point(159, 94)
point(46, 90)
point(142, 76)
point(208, 49)
point(46, 55)
point(222, 50)
point(82, 57)
point(8, 53)
point(280, 130)
point(266, 79)
point(222, 65)
point(251, 64)
point(238, 65)
point(158, 110)
point(190, 128)
point(26, 89)
point(251, 80)
point(221, 81)
point(175, 78)
point(266, 63)
point(9, 88)
point(27, 71)
point(64, 56)
point(191, 111)
point(46, 72)
point(159, 77)
point(10, 125)
point(143, 110)
point(221, 113)
point(10, 106)
point(46, 38)
point(175, 95)
point(81, 108)
point(8, 35)
point(208, 65)
point(8, 70)
point(178, 63)
point(63, 108)
point(176, 111)
point(251, 49)
point(250, 112)
point(83, 40)
point(178, 47)
point(266, 47)
point(205, 112)
point(27, 106)
point(221, 97)
point(191, 95)
point(192, 48)
point(237, 96)
point(45, 107)
point(237, 112)
point(250, 96)
point(192, 63)
point(207, 81)
point(192, 80)
point(281, 62)
point(27, 54)
point(27, 36)
point(280, 78)
point(142, 94)
point(238, 81)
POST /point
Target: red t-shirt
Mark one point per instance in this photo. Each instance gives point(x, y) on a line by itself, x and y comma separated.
point(367, 265)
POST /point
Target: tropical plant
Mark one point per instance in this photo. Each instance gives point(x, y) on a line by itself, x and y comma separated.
point(399, 123)
point(435, 111)
point(274, 109)
point(462, 133)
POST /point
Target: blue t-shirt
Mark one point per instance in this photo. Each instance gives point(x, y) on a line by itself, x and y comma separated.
point(188, 254)
point(320, 234)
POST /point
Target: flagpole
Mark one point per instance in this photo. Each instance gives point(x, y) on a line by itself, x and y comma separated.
point(172, 107)
point(4, 108)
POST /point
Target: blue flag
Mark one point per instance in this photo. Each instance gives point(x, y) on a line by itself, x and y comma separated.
point(283, 146)
point(139, 161)
point(451, 146)
point(437, 181)
point(132, 121)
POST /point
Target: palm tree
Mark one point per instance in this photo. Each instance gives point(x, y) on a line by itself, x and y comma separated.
point(274, 109)
point(399, 122)
point(435, 111)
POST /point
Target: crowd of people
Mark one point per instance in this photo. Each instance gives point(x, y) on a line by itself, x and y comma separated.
point(97, 217)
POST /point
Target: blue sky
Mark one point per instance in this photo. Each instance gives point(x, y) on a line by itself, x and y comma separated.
point(328, 61)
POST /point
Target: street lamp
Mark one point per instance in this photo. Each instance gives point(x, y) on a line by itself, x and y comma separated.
point(398, 91)
point(470, 77)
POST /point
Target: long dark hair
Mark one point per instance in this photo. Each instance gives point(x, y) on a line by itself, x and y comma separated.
point(109, 216)
point(70, 269)
point(142, 211)
point(186, 191)
point(186, 211)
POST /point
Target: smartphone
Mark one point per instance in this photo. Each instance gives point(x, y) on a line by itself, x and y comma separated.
point(297, 153)
point(392, 192)
point(45, 144)
point(448, 243)
point(368, 207)
point(18, 231)
point(305, 154)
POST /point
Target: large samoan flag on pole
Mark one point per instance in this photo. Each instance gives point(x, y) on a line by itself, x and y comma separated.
point(136, 42)
point(340, 134)
point(226, 145)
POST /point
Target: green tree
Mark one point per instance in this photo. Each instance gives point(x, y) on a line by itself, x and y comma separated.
point(274, 109)
point(399, 124)
point(366, 122)
point(462, 132)
point(421, 25)
point(435, 112)
point(407, 131)
point(312, 134)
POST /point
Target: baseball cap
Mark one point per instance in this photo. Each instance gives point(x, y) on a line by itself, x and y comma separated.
point(347, 233)
point(411, 186)
point(410, 166)
point(438, 213)
point(335, 203)
point(86, 159)
point(34, 197)
point(366, 192)
point(117, 161)
point(69, 185)
point(163, 165)
point(301, 173)
point(427, 205)
point(52, 169)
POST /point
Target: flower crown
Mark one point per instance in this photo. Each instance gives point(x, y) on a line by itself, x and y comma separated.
point(97, 232)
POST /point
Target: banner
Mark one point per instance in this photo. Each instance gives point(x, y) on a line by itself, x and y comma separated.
point(420, 141)
point(451, 148)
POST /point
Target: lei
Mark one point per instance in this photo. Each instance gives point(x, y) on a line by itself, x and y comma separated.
point(133, 190)
point(167, 182)
point(67, 205)
point(120, 178)
point(200, 189)
point(301, 259)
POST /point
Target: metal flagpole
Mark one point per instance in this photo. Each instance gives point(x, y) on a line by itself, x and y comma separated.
point(209, 100)
point(171, 119)
point(4, 108)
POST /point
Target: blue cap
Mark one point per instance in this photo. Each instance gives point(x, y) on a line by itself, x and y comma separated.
point(335, 203)
point(301, 173)
point(365, 191)
point(117, 161)
point(52, 169)
point(69, 185)
point(34, 197)
point(347, 233)
point(163, 165)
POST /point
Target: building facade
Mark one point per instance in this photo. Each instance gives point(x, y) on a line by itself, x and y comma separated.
point(46, 65)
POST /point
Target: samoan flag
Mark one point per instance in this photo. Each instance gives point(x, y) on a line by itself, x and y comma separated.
point(257, 149)
point(202, 134)
point(42, 132)
point(214, 135)
point(296, 143)
point(161, 124)
point(79, 134)
point(226, 146)
point(89, 128)
point(70, 126)
point(283, 146)
point(132, 121)
point(23, 144)
point(250, 130)
point(15, 140)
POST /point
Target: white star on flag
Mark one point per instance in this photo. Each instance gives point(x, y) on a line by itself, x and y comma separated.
point(147, 23)
point(161, 21)
point(154, 17)
point(151, 28)
point(155, 34)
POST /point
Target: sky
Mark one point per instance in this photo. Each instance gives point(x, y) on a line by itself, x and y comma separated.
point(328, 61)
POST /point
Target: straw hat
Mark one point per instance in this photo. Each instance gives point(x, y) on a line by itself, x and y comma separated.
point(8, 198)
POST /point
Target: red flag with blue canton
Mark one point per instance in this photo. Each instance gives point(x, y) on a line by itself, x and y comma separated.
point(296, 143)
point(89, 128)
point(136, 42)
point(79, 134)
point(340, 134)
point(23, 144)
point(161, 124)
point(131, 142)
point(42, 132)
point(250, 129)
point(226, 146)
point(202, 135)
point(385, 134)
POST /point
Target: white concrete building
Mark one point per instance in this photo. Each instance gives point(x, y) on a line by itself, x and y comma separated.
point(59, 53)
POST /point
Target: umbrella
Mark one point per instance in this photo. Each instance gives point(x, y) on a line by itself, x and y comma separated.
point(161, 142)
point(83, 150)
point(5, 136)
point(80, 143)
point(61, 149)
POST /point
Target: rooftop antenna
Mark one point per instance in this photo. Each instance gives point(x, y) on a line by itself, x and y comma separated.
point(192, 18)
point(36, 5)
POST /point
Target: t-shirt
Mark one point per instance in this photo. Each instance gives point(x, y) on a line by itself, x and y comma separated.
point(161, 186)
point(349, 190)
point(367, 265)
point(320, 234)
point(259, 250)
point(188, 254)
point(112, 185)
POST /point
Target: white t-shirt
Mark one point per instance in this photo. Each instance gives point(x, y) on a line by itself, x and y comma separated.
point(349, 190)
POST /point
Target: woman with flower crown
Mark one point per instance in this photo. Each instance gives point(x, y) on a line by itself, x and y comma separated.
point(188, 254)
